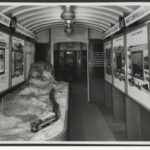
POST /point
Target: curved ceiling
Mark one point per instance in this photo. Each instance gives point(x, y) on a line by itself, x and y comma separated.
point(38, 18)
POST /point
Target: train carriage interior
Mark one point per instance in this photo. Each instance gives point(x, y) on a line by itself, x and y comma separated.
point(74, 72)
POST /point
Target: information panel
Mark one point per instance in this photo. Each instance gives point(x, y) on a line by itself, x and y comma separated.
point(30, 51)
point(108, 61)
point(119, 63)
point(18, 61)
point(4, 61)
point(138, 65)
point(97, 59)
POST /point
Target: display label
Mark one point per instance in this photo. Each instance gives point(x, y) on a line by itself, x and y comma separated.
point(141, 12)
point(111, 31)
point(137, 15)
point(97, 59)
point(119, 63)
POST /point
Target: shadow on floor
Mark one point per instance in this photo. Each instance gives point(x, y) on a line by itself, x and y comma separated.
point(117, 127)
point(86, 122)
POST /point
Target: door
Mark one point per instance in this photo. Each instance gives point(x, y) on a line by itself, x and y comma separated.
point(65, 65)
point(96, 71)
point(42, 52)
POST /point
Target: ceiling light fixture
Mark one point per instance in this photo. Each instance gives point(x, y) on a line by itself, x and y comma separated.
point(68, 16)
point(68, 30)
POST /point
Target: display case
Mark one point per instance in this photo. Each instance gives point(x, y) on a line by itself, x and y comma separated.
point(4, 63)
point(18, 61)
point(138, 65)
point(108, 61)
point(119, 63)
point(39, 105)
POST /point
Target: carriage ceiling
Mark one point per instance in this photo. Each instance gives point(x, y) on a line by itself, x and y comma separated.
point(40, 17)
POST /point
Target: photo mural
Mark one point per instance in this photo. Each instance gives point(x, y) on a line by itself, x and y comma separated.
point(138, 64)
point(18, 58)
point(108, 61)
point(119, 63)
point(4, 63)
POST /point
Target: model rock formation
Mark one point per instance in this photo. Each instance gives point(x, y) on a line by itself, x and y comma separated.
point(29, 102)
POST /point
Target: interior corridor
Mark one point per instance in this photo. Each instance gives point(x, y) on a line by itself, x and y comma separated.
point(86, 119)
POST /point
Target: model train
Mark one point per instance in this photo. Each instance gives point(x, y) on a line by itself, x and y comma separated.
point(42, 123)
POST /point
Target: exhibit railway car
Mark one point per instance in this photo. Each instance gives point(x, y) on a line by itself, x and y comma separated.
point(84, 68)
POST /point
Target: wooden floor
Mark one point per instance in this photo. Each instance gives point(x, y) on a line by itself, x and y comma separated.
point(86, 123)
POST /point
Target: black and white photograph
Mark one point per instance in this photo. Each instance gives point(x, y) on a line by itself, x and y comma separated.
point(119, 63)
point(75, 73)
point(108, 60)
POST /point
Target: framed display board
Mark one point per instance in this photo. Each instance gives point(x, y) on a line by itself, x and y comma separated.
point(119, 63)
point(108, 61)
point(18, 61)
point(30, 52)
point(138, 65)
point(4, 61)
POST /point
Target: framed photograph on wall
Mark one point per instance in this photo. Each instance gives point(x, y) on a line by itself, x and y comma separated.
point(30, 52)
point(18, 61)
point(138, 65)
point(2, 57)
point(119, 63)
point(108, 61)
point(4, 63)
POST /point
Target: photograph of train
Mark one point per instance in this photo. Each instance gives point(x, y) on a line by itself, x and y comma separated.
point(74, 73)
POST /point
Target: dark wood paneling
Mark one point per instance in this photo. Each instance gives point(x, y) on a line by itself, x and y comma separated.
point(145, 124)
point(96, 71)
point(133, 120)
point(119, 105)
point(108, 95)
point(65, 65)
point(41, 52)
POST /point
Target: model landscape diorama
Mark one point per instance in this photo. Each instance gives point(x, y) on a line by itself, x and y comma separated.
point(36, 110)
point(138, 67)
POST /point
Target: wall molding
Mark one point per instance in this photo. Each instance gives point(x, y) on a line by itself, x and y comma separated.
point(5, 20)
point(138, 14)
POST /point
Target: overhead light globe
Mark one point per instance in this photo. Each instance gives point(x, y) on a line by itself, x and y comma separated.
point(68, 30)
point(68, 14)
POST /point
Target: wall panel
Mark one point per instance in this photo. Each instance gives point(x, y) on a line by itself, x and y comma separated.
point(18, 61)
point(4, 61)
point(108, 61)
point(138, 66)
point(30, 52)
point(119, 63)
